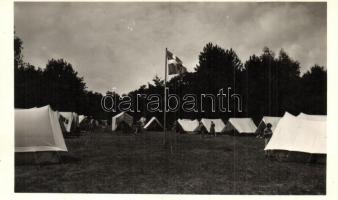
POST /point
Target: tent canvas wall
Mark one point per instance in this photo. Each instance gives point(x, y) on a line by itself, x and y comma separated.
point(38, 129)
point(219, 124)
point(153, 124)
point(188, 125)
point(299, 134)
point(240, 125)
point(265, 120)
point(123, 117)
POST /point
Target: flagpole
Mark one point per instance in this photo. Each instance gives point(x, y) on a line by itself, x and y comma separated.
point(165, 100)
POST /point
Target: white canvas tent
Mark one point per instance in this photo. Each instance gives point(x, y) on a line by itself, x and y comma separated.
point(299, 134)
point(153, 124)
point(38, 129)
point(72, 120)
point(241, 125)
point(81, 118)
point(123, 117)
point(265, 120)
point(188, 125)
point(219, 124)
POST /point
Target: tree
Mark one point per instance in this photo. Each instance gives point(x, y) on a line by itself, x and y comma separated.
point(17, 52)
point(217, 68)
point(272, 84)
point(314, 91)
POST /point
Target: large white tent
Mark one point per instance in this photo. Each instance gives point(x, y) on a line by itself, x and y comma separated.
point(241, 125)
point(301, 134)
point(188, 125)
point(38, 129)
point(265, 120)
point(123, 117)
point(153, 124)
point(219, 124)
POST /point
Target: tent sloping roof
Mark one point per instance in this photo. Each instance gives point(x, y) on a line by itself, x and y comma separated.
point(219, 124)
point(312, 117)
point(265, 120)
point(188, 125)
point(151, 121)
point(121, 117)
point(299, 134)
point(38, 129)
point(242, 125)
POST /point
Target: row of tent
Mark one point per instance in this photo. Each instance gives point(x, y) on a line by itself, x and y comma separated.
point(302, 133)
point(39, 129)
point(240, 125)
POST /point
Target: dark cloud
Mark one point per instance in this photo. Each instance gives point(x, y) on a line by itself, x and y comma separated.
point(122, 44)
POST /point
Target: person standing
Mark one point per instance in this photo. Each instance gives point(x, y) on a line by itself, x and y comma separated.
point(138, 127)
point(212, 128)
point(202, 129)
point(267, 134)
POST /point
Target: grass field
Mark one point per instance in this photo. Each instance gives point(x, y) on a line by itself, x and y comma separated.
point(112, 163)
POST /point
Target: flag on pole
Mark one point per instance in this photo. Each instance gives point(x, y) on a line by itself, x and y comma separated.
point(175, 65)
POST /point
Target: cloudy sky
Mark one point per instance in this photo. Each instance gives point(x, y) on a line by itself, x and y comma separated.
point(122, 44)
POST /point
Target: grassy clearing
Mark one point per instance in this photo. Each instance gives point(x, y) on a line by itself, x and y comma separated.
point(111, 163)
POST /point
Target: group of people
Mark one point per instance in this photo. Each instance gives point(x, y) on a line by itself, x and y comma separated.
point(203, 131)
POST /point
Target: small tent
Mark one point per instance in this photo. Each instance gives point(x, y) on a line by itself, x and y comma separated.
point(85, 123)
point(188, 125)
point(240, 125)
point(305, 134)
point(81, 118)
point(122, 118)
point(153, 124)
point(265, 120)
point(38, 129)
point(219, 124)
point(70, 120)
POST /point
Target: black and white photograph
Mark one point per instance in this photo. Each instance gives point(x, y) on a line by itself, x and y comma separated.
point(198, 98)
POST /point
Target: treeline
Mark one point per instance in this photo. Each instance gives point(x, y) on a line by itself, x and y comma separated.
point(57, 85)
point(267, 84)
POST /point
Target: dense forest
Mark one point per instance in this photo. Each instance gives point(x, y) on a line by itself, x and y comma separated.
point(268, 84)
